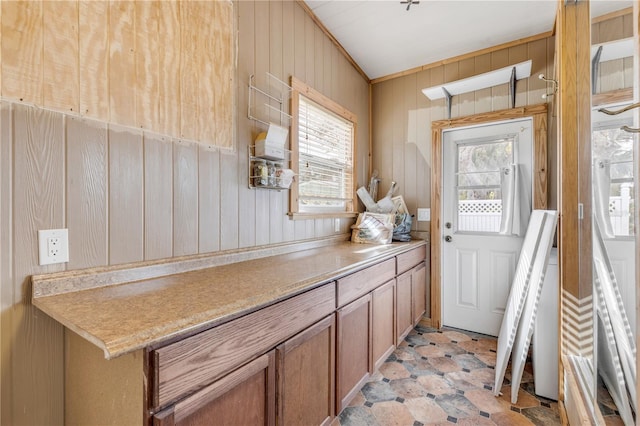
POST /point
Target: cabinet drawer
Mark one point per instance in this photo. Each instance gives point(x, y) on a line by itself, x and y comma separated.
point(411, 258)
point(192, 363)
point(362, 282)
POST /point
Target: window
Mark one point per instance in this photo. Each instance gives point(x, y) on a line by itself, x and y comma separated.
point(479, 166)
point(323, 137)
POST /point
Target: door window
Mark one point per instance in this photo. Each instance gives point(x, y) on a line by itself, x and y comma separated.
point(479, 165)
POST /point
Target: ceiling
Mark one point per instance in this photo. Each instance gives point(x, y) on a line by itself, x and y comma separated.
point(384, 38)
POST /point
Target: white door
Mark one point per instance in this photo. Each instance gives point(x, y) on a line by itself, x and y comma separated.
point(479, 256)
point(613, 183)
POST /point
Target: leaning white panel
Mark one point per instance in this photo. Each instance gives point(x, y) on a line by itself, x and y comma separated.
point(527, 322)
point(517, 296)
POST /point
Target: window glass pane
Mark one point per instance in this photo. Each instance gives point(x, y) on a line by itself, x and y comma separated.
point(325, 169)
point(478, 178)
point(614, 147)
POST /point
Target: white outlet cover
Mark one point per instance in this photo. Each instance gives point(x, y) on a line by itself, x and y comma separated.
point(44, 243)
point(424, 214)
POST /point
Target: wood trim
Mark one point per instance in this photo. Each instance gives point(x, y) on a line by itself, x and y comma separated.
point(540, 193)
point(636, 171)
point(335, 41)
point(303, 88)
point(463, 56)
point(613, 97)
point(612, 15)
point(299, 87)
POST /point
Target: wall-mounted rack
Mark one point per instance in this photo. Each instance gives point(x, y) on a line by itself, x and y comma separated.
point(270, 182)
point(273, 98)
point(509, 74)
point(609, 51)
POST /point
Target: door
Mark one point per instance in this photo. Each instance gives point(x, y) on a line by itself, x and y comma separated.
point(486, 191)
point(613, 196)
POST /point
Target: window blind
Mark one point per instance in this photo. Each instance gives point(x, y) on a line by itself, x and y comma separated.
point(325, 152)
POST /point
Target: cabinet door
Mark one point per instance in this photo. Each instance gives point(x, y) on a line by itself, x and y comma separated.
point(404, 318)
point(383, 318)
point(353, 342)
point(244, 397)
point(306, 372)
point(418, 292)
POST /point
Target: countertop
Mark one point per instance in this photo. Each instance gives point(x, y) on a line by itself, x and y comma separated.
point(122, 317)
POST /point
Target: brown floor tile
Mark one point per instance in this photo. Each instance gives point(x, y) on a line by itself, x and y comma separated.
point(394, 370)
point(436, 385)
point(392, 413)
point(476, 421)
point(425, 410)
point(407, 388)
point(510, 418)
point(430, 351)
point(444, 364)
point(525, 399)
point(436, 338)
point(456, 336)
point(486, 401)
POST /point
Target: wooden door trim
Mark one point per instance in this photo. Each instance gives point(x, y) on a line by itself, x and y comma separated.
point(540, 184)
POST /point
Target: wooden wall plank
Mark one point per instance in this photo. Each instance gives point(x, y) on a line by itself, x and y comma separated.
point(122, 63)
point(147, 55)
point(230, 216)
point(423, 145)
point(247, 130)
point(500, 94)
point(189, 34)
point(86, 190)
point(209, 200)
point(61, 80)
point(299, 43)
point(465, 101)
point(158, 196)
point(288, 64)
point(537, 52)
point(276, 213)
point(6, 254)
point(209, 97)
point(185, 198)
point(482, 97)
point(168, 68)
point(93, 63)
point(262, 66)
point(22, 56)
point(519, 54)
point(126, 199)
point(397, 142)
point(224, 48)
point(37, 347)
point(410, 149)
point(309, 45)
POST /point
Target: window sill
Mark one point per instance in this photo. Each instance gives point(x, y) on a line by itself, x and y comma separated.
point(316, 215)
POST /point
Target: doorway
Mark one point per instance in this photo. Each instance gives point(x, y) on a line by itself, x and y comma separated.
point(538, 115)
point(486, 205)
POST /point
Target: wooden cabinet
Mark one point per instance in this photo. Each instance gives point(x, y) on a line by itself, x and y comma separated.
point(418, 292)
point(383, 317)
point(306, 376)
point(244, 397)
point(404, 318)
point(411, 291)
point(353, 347)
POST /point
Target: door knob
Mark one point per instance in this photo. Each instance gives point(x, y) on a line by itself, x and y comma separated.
point(448, 238)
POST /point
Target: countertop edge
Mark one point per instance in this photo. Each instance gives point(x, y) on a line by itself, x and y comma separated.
point(143, 339)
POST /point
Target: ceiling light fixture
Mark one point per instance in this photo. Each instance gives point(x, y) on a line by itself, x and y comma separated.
point(410, 2)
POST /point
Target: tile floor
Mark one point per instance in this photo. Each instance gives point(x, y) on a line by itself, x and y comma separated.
point(440, 377)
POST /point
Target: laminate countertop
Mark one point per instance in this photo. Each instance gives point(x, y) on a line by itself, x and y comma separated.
point(125, 308)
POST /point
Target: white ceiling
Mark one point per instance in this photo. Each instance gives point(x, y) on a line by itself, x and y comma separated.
point(384, 38)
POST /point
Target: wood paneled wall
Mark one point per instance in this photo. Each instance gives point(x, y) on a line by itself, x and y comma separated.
point(165, 66)
point(616, 74)
point(402, 115)
point(128, 194)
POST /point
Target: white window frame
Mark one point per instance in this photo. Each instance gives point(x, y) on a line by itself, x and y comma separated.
point(300, 88)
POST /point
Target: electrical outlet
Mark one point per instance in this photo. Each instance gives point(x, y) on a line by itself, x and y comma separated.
point(424, 215)
point(53, 246)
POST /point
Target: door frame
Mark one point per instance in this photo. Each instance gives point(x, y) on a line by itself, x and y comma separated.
point(539, 176)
